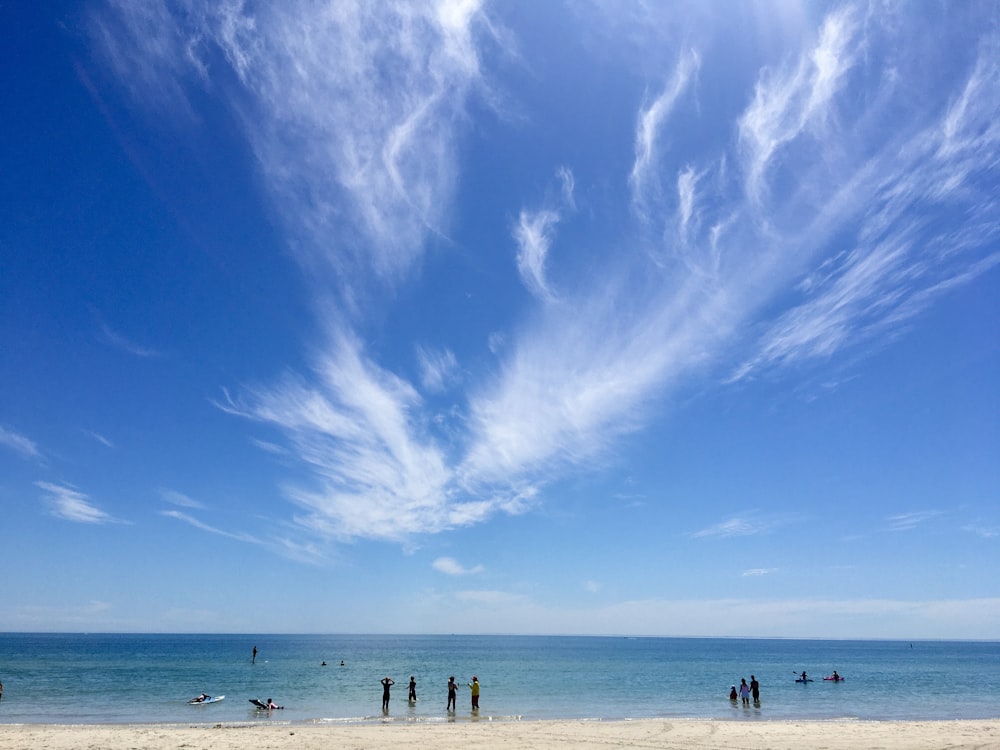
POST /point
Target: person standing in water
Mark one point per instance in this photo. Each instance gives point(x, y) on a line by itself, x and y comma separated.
point(744, 692)
point(413, 689)
point(452, 687)
point(474, 687)
point(386, 684)
point(254, 659)
point(755, 689)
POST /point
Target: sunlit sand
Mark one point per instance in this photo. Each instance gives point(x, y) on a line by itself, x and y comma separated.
point(647, 733)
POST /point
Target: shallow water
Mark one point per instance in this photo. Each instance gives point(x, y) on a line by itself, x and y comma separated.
point(125, 678)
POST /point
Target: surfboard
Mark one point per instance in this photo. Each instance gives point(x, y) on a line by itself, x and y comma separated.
point(212, 699)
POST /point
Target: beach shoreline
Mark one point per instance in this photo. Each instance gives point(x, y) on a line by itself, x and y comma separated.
point(699, 734)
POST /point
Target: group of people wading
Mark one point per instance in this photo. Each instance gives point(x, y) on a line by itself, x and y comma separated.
point(388, 682)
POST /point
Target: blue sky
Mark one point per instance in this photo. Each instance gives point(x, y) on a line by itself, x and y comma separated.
point(457, 316)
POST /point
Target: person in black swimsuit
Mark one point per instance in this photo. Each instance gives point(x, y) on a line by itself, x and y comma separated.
point(386, 684)
point(452, 687)
point(413, 688)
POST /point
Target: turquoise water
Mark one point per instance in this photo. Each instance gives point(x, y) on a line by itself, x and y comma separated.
point(100, 678)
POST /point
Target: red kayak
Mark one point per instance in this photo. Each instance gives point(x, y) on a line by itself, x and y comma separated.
point(834, 679)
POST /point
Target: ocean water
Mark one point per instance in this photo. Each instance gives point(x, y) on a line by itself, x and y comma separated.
point(126, 678)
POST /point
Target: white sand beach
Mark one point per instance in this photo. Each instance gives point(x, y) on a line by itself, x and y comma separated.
point(534, 735)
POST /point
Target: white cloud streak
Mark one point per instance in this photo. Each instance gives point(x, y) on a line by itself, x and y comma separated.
point(450, 566)
point(72, 505)
point(117, 340)
point(24, 447)
point(910, 521)
point(437, 368)
point(360, 159)
point(180, 499)
point(362, 149)
point(200, 525)
point(790, 101)
point(534, 236)
point(733, 527)
point(649, 130)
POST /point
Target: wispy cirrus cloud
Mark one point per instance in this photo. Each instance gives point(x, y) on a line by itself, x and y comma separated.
point(180, 499)
point(534, 236)
point(534, 233)
point(819, 200)
point(378, 472)
point(450, 566)
point(119, 341)
point(437, 368)
point(793, 99)
point(910, 521)
point(363, 148)
point(99, 438)
point(70, 504)
point(757, 572)
point(21, 445)
point(202, 526)
point(735, 526)
point(985, 532)
point(649, 135)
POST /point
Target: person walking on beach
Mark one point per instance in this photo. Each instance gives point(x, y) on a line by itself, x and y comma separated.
point(755, 689)
point(386, 684)
point(254, 659)
point(474, 687)
point(744, 692)
point(452, 687)
point(413, 689)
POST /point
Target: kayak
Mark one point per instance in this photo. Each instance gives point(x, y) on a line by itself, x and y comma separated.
point(808, 679)
point(834, 679)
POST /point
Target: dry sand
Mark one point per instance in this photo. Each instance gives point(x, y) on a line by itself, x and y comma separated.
point(586, 735)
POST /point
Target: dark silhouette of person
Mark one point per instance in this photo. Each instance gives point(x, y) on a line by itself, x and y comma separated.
point(254, 659)
point(755, 689)
point(413, 688)
point(386, 684)
point(452, 687)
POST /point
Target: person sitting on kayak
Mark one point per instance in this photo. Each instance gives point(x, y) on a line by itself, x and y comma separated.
point(803, 678)
point(836, 677)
